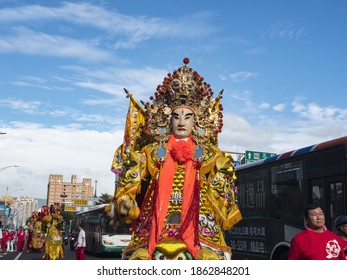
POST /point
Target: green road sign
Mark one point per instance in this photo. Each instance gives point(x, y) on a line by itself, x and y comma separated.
point(251, 156)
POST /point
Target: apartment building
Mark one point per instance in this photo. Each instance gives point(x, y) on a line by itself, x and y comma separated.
point(61, 192)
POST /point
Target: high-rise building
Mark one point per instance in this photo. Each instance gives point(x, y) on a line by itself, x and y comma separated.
point(22, 210)
point(66, 192)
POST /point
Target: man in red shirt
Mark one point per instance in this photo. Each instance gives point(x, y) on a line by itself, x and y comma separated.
point(20, 239)
point(5, 238)
point(316, 242)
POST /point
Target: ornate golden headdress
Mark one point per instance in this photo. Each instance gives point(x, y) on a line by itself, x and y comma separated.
point(185, 87)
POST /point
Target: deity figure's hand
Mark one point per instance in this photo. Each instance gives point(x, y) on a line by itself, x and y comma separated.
point(129, 208)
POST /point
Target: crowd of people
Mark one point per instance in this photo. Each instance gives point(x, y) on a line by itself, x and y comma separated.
point(42, 234)
point(12, 239)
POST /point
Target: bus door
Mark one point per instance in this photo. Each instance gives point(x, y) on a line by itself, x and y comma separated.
point(329, 193)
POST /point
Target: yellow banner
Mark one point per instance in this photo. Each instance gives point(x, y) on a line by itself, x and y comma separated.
point(134, 121)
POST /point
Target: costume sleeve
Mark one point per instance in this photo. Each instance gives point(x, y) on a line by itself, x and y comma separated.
point(130, 183)
point(222, 191)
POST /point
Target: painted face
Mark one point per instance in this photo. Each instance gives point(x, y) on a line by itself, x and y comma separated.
point(182, 120)
point(316, 219)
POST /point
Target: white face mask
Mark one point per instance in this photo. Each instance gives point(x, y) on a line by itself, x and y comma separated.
point(182, 120)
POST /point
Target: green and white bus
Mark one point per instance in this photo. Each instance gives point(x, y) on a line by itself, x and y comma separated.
point(101, 237)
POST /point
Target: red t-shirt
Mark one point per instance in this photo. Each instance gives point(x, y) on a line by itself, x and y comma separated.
point(310, 245)
point(20, 235)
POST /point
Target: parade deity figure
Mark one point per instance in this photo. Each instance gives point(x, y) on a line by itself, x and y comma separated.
point(36, 237)
point(176, 187)
point(54, 241)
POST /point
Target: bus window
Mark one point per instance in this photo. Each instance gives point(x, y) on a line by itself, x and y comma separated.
point(251, 194)
point(287, 192)
point(317, 194)
point(336, 200)
point(336, 197)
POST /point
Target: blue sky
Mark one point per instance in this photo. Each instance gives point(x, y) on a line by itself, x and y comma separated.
point(282, 65)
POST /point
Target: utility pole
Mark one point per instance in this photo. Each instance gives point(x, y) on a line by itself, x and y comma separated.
point(96, 182)
point(95, 197)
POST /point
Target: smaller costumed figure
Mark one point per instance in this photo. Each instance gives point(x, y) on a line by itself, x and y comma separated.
point(36, 237)
point(54, 240)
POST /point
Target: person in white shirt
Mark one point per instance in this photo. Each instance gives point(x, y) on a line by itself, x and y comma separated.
point(80, 244)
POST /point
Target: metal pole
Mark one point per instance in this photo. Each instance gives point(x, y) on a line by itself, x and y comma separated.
point(3, 168)
point(96, 182)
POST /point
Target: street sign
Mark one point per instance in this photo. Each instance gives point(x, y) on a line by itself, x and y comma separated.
point(251, 156)
point(70, 208)
point(81, 202)
point(76, 208)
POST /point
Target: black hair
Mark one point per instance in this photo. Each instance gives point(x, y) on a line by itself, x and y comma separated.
point(310, 206)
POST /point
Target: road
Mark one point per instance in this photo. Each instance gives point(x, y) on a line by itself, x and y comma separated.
point(69, 255)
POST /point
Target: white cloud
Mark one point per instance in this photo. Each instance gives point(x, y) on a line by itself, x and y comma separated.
point(285, 31)
point(30, 42)
point(130, 30)
point(140, 82)
point(242, 76)
point(315, 112)
point(264, 105)
point(279, 107)
point(29, 107)
point(42, 151)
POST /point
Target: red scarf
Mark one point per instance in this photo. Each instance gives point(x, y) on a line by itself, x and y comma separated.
point(179, 151)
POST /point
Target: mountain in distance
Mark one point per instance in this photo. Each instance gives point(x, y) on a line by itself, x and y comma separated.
point(41, 202)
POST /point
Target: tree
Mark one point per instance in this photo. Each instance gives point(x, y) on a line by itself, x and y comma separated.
point(104, 198)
